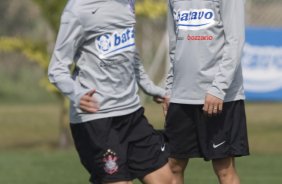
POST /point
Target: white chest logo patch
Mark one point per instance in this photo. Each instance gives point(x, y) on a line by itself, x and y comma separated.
point(115, 43)
point(194, 19)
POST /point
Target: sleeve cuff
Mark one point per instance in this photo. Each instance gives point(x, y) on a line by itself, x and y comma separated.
point(160, 92)
point(77, 98)
point(216, 92)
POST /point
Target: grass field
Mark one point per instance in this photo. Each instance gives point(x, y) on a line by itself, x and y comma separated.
point(29, 133)
point(63, 167)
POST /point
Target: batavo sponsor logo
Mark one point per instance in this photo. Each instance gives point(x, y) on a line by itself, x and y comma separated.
point(115, 43)
point(262, 68)
point(194, 19)
point(201, 38)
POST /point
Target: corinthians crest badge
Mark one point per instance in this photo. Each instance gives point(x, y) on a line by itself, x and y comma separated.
point(110, 159)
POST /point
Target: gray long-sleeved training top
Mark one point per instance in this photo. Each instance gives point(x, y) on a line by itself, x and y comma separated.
point(98, 37)
point(206, 39)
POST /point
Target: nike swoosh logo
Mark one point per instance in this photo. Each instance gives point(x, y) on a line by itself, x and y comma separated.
point(217, 145)
point(93, 12)
point(163, 148)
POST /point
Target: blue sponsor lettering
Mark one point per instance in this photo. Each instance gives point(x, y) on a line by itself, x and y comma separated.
point(262, 62)
point(256, 57)
point(115, 43)
point(117, 40)
point(209, 15)
point(124, 37)
point(194, 19)
point(184, 16)
point(201, 15)
point(194, 15)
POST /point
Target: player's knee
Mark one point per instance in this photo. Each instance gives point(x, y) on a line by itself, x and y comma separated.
point(222, 173)
point(177, 169)
point(177, 166)
point(224, 168)
point(160, 176)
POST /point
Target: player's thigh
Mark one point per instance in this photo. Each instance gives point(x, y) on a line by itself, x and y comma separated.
point(162, 175)
point(100, 151)
point(224, 165)
point(181, 131)
point(121, 182)
point(148, 155)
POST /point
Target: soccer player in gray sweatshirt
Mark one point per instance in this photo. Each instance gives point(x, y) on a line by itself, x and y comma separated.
point(206, 114)
point(114, 140)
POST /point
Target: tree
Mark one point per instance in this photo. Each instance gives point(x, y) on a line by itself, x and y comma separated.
point(39, 53)
point(151, 9)
point(153, 15)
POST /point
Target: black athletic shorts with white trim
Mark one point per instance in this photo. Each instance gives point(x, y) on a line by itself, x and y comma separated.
point(119, 148)
point(191, 133)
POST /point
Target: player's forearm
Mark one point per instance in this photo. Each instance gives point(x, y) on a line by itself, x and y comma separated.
point(67, 86)
point(234, 32)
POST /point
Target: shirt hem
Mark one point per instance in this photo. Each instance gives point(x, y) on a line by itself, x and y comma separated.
point(95, 116)
point(201, 101)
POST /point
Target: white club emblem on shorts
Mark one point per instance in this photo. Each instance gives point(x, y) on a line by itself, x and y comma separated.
point(110, 159)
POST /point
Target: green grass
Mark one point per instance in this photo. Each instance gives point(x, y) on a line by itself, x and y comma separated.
point(28, 126)
point(63, 167)
point(38, 167)
point(29, 134)
point(21, 81)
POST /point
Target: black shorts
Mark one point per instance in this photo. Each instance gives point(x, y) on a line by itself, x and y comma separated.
point(191, 133)
point(119, 148)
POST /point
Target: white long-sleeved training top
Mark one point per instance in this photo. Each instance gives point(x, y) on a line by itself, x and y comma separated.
point(98, 36)
point(206, 39)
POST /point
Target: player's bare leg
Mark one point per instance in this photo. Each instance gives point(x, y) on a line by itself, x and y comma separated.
point(226, 171)
point(121, 182)
point(160, 176)
point(178, 167)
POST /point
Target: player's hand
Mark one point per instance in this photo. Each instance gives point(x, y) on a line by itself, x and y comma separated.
point(159, 99)
point(165, 105)
point(88, 103)
point(213, 105)
point(164, 101)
